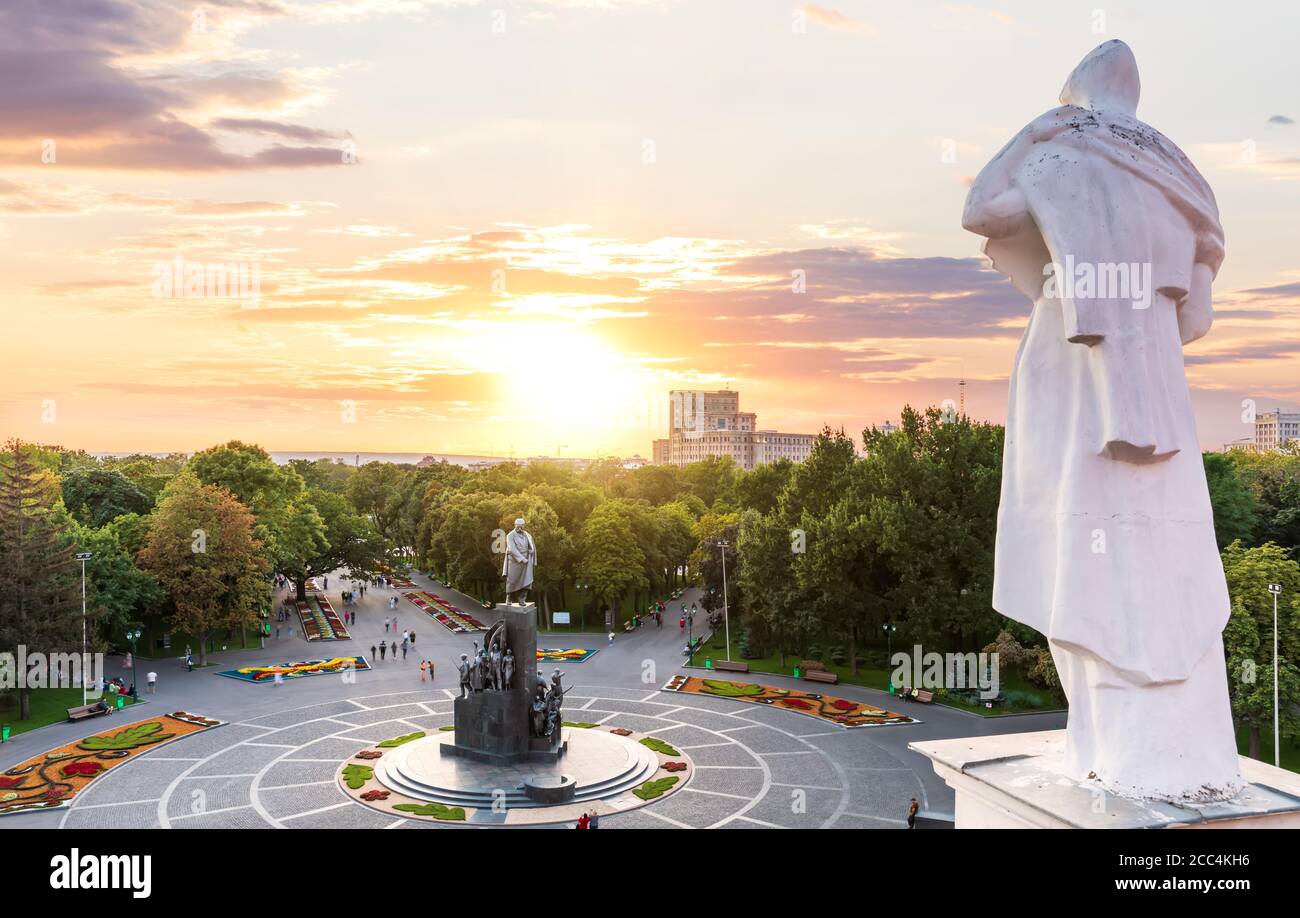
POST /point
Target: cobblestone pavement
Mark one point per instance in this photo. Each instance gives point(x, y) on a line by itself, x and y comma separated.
point(273, 765)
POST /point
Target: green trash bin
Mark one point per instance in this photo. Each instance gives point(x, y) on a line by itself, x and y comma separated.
point(121, 702)
point(708, 663)
point(4, 733)
point(796, 672)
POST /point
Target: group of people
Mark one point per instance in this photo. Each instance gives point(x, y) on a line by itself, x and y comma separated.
point(408, 641)
point(588, 821)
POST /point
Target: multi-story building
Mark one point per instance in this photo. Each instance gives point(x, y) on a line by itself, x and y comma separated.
point(1274, 428)
point(703, 424)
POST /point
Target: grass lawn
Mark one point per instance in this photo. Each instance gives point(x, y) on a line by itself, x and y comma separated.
point(1290, 748)
point(48, 706)
point(1026, 698)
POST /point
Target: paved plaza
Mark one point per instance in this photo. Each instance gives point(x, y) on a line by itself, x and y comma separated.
point(275, 763)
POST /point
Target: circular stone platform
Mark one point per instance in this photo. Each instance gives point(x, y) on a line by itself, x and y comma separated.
point(609, 773)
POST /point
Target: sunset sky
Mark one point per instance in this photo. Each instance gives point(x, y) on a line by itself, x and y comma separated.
point(495, 227)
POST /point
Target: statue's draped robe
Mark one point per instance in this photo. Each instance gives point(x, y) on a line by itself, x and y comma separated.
point(1105, 538)
point(521, 556)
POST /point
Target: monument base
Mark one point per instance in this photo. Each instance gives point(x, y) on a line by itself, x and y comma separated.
point(540, 749)
point(1018, 781)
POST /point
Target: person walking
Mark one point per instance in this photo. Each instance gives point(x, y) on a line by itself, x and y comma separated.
point(373, 653)
point(611, 638)
point(383, 649)
point(412, 637)
point(911, 814)
point(424, 669)
point(405, 645)
point(595, 821)
point(394, 650)
point(151, 679)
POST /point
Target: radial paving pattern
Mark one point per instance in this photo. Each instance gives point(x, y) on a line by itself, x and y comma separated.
point(753, 767)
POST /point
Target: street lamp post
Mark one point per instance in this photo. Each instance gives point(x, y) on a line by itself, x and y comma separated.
point(1275, 589)
point(83, 557)
point(890, 628)
point(726, 618)
point(133, 635)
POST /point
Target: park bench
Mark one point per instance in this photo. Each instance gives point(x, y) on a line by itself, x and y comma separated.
point(730, 666)
point(924, 697)
point(820, 675)
point(629, 625)
point(82, 711)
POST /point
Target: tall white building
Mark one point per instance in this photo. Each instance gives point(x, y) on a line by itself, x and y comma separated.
point(1273, 429)
point(703, 424)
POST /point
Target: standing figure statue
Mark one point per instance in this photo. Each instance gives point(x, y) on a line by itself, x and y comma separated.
point(464, 668)
point(508, 670)
point(538, 707)
point(494, 663)
point(1105, 538)
point(554, 699)
point(517, 566)
point(475, 670)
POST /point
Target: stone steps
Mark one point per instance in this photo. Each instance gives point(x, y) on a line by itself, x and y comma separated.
point(394, 771)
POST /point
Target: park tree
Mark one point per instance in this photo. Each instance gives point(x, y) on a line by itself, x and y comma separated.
point(119, 592)
point(816, 482)
point(461, 545)
point(676, 525)
point(40, 594)
point(202, 551)
point(707, 560)
point(656, 484)
point(1235, 506)
point(250, 474)
point(933, 488)
point(1248, 638)
point(1274, 479)
point(323, 474)
point(1250, 681)
point(1249, 571)
point(761, 488)
point(612, 564)
point(96, 496)
point(712, 480)
point(778, 613)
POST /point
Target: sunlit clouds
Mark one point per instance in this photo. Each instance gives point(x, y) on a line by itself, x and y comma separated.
point(515, 234)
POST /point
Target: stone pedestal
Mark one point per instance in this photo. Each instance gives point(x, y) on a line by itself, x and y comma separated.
point(1018, 781)
point(492, 726)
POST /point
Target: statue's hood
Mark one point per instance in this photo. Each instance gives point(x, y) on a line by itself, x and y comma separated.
point(1106, 80)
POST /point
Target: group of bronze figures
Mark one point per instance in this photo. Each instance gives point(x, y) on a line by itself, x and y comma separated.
point(488, 670)
point(545, 720)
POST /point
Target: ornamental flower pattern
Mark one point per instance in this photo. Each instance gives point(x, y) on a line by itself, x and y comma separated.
point(52, 779)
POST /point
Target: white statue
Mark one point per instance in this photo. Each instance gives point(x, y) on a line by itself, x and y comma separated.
point(520, 559)
point(1105, 539)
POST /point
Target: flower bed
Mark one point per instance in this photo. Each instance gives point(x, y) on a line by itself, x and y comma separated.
point(335, 621)
point(444, 612)
point(320, 622)
point(840, 711)
point(52, 780)
point(571, 655)
point(268, 672)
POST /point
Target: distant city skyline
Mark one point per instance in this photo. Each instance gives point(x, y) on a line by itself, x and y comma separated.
point(435, 226)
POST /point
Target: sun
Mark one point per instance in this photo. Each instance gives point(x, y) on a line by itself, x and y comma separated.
point(564, 385)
